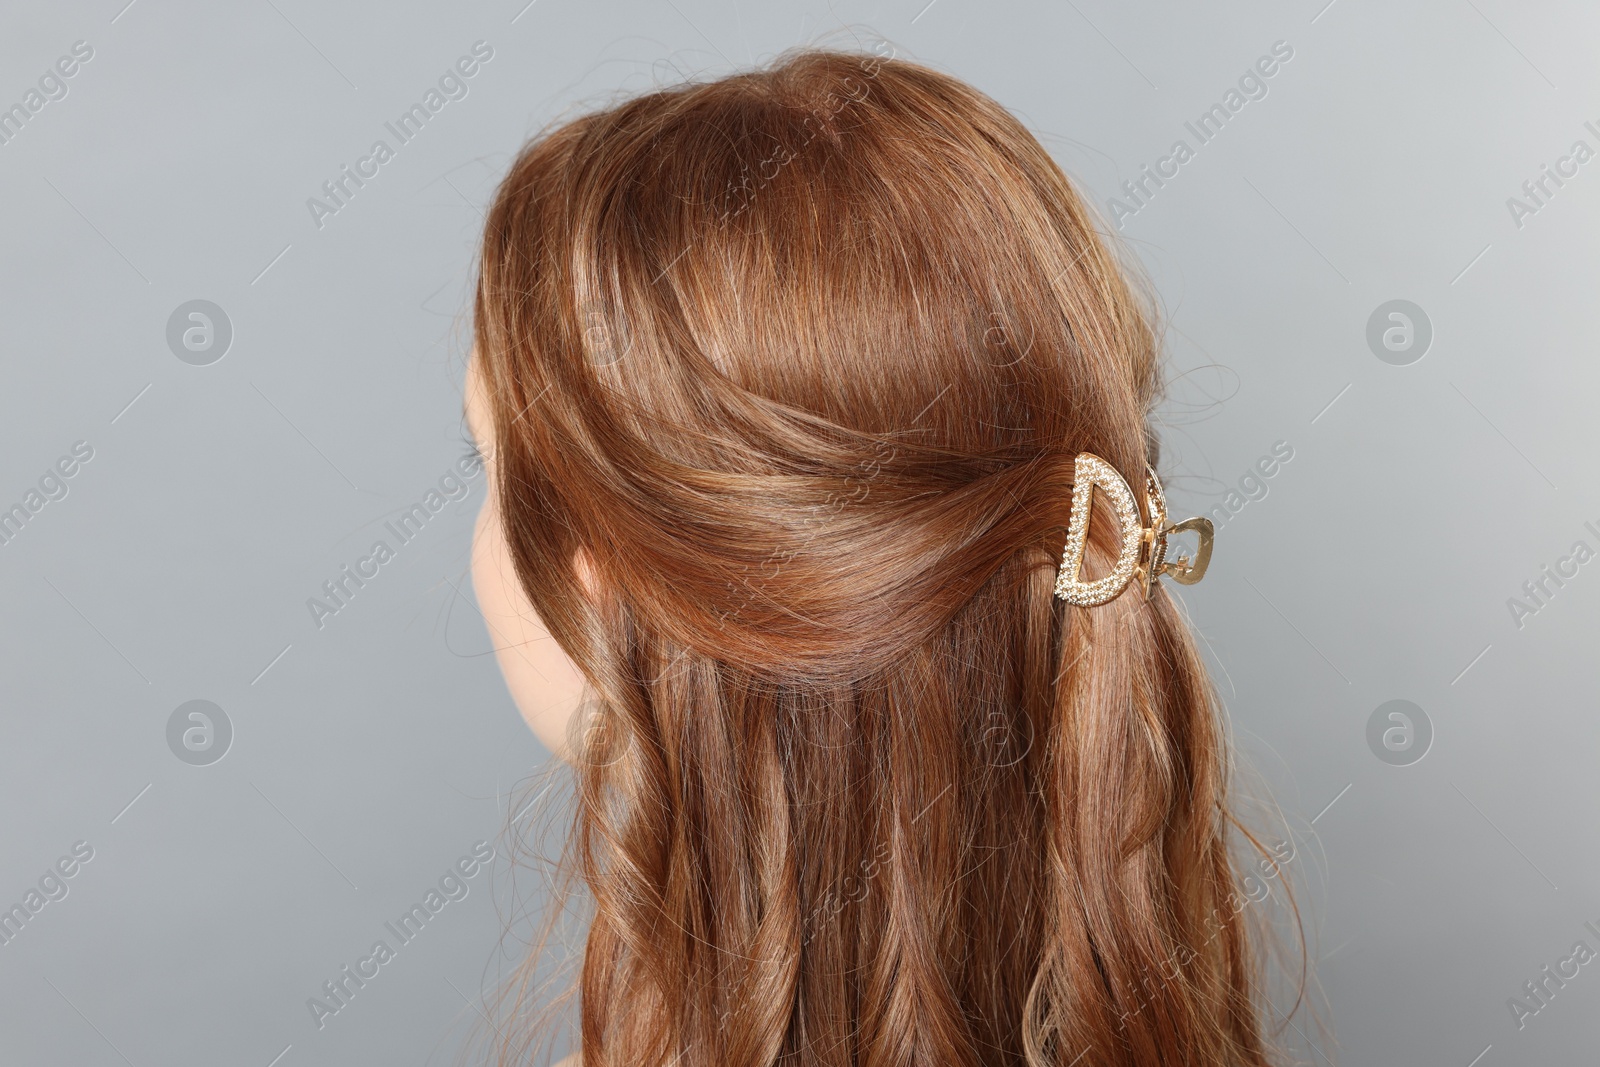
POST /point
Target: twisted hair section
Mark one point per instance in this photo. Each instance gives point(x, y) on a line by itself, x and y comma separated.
point(801, 359)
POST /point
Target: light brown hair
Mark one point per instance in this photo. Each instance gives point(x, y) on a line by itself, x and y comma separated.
point(801, 359)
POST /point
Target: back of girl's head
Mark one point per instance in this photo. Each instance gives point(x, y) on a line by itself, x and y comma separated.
point(800, 360)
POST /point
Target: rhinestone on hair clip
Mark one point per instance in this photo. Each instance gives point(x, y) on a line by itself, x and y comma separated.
point(1143, 555)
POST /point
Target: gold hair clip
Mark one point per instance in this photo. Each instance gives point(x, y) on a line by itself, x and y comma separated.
point(1143, 555)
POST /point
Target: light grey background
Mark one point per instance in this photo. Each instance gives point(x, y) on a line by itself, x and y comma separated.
point(370, 754)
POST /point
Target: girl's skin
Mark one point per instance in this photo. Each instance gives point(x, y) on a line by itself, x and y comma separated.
point(545, 684)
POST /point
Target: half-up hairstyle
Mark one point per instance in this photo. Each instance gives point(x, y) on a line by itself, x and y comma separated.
point(801, 359)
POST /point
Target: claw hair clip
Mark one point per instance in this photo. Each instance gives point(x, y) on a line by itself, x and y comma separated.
point(1143, 556)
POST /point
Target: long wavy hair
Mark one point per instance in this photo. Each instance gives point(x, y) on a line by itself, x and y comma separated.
point(800, 360)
